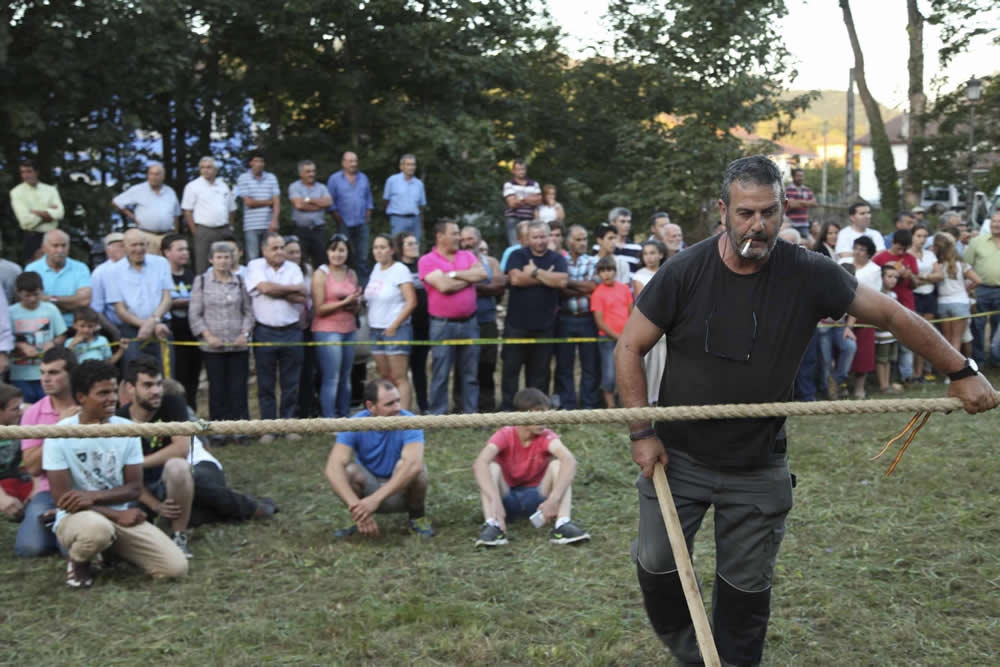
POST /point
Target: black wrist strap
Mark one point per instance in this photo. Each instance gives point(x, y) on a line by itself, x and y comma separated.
point(642, 435)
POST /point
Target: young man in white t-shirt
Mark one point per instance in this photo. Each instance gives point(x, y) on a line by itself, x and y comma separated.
point(93, 482)
point(860, 215)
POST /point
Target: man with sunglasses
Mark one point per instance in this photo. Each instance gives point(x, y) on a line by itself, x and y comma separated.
point(738, 311)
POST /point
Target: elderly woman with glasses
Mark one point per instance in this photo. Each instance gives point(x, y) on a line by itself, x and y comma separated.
point(336, 296)
point(221, 317)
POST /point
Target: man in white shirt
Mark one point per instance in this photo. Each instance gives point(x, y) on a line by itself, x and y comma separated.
point(860, 216)
point(209, 209)
point(152, 207)
point(276, 286)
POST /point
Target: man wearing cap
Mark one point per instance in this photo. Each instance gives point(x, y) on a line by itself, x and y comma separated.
point(152, 207)
point(114, 248)
point(37, 207)
point(209, 209)
point(918, 214)
point(66, 281)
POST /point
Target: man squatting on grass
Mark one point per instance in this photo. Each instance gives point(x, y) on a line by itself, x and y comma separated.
point(738, 311)
point(523, 469)
point(388, 474)
point(93, 480)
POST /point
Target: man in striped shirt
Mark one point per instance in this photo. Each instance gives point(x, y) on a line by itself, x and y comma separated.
point(261, 197)
point(800, 200)
point(621, 219)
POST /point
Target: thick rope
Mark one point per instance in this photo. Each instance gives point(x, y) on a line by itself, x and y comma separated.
point(494, 419)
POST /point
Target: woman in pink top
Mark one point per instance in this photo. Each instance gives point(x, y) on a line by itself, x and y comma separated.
point(336, 295)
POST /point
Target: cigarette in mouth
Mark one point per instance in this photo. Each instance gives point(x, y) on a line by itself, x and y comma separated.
point(745, 248)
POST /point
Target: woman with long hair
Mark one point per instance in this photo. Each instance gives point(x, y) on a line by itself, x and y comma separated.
point(408, 252)
point(391, 298)
point(654, 253)
point(826, 241)
point(924, 295)
point(336, 296)
point(952, 295)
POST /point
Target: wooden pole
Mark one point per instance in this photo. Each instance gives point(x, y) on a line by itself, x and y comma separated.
point(703, 631)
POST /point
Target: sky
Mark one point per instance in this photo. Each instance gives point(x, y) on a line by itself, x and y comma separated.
point(815, 35)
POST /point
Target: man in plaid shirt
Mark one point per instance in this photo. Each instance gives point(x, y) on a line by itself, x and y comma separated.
point(576, 321)
point(800, 200)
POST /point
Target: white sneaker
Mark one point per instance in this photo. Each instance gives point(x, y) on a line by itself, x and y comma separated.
point(293, 436)
point(267, 439)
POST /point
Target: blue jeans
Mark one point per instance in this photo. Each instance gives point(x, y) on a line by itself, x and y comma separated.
point(32, 390)
point(805, 381)
point(276, 362)
point(987, 299)
point(831, 339)
point(443, 357)
point(576, 327)
point(905, 363)
point(148, 348)
point(607, 348)
point(252, 238)
point(33, 539)
point(358, 236)
point(335, 362)
point(406, 223)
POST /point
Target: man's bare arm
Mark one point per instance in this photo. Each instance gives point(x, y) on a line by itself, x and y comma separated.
point(336, 473)
point(918, 335)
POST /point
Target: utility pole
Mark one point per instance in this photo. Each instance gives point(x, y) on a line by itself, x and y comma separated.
point(849, 157)
point(826, 130)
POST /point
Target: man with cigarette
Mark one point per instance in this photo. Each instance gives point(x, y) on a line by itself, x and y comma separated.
point(738, 311)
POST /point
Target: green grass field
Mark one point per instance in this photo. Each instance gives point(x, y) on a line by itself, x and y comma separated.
point(873, 571)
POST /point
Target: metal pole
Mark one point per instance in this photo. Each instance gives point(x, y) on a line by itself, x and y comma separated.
point(849, 156)
point(970, 197)
point(826, 130)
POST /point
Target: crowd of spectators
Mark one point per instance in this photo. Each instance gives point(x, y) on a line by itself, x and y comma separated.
point(557, 279)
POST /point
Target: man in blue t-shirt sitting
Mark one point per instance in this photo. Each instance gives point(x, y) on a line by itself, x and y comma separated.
point(388, 474)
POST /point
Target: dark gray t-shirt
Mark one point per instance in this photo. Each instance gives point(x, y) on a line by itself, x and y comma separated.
point(737, 339)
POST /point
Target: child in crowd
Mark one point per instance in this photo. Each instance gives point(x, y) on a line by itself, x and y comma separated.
point(15, 483)
point(611, 302)
point(38, 325)
point(886, 348)
point(87, 344)
point(524, 469)
point(654, 253)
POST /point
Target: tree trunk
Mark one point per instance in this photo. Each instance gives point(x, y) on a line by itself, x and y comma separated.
point(918, 103)
point(885, 167)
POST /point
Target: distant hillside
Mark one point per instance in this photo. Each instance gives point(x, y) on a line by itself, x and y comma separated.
point(831, 106)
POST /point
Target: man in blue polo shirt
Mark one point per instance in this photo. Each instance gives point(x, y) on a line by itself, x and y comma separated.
point(404, 196)
point(65, 281)
point(388, 474)
point(352, 207)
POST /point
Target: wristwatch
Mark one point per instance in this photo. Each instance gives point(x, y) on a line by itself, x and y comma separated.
point(968, 370)
point(307, 200)
point(452, 274)
point(534, 274)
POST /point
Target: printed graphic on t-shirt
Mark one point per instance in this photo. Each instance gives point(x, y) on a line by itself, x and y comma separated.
point(101, 468)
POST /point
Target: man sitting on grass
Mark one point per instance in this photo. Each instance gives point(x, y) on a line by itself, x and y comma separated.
point(388, 474)
point(523, 469)
point(93, 480)
point(168, 484)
